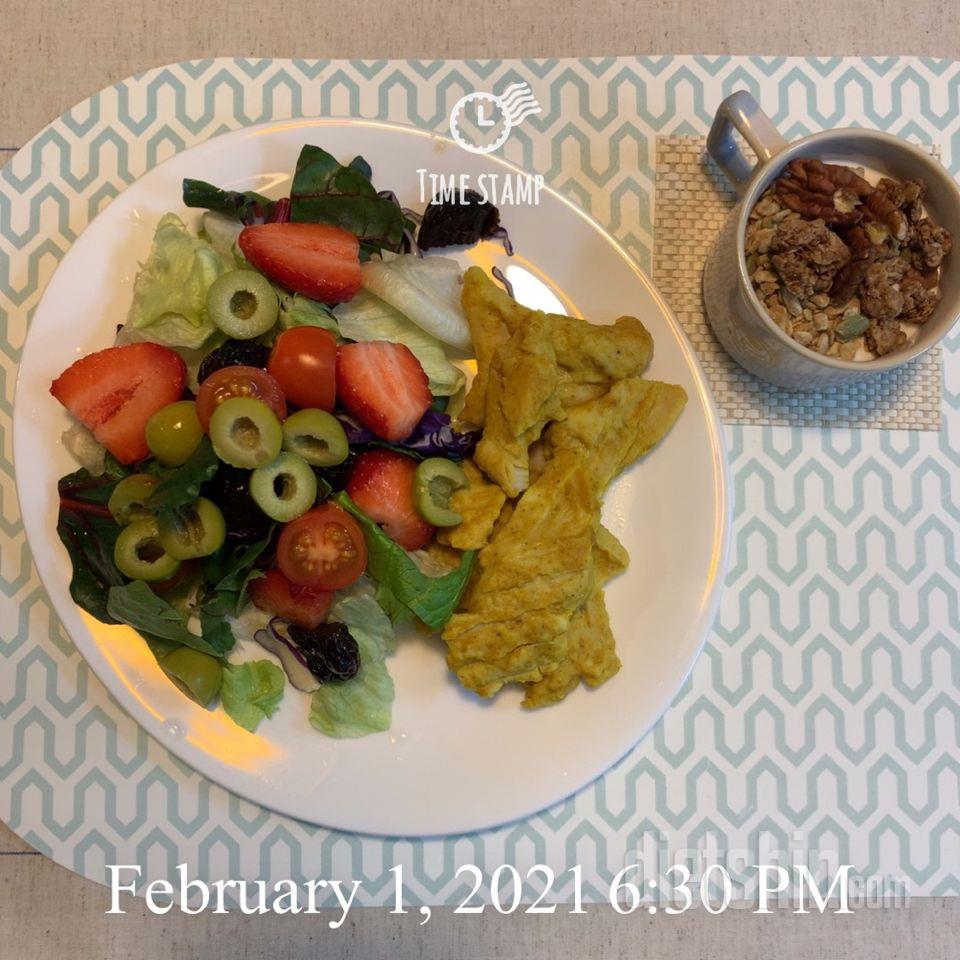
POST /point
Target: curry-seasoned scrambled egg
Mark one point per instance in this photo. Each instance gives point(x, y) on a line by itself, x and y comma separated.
point(534, 611)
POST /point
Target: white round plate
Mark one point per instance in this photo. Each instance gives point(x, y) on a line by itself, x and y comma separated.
point(451, 763)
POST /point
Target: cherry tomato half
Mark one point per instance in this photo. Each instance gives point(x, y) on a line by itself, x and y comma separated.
point(323, 549)
point(238, 382)
point(304, 363)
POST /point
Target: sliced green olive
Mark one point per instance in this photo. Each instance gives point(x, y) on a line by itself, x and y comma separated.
point(194, 531)
point(127, 501)
point(197, 674)
point(245, 433)
point(434, 483)
point(243, 304)
point(284, 489)
point(317, 437)
point(139, 554)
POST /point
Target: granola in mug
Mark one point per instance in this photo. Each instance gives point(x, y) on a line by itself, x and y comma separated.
point(845, 268)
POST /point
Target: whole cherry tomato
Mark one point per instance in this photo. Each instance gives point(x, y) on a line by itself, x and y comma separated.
point(304, 363)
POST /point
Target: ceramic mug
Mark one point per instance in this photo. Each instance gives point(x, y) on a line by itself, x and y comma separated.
point(736, 314)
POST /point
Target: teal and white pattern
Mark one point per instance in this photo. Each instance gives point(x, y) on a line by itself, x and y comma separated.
point(824, 712)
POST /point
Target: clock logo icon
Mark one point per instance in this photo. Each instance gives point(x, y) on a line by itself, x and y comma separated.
point(481, 122)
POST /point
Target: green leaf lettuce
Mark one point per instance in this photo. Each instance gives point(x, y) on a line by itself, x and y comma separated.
point(246, 206)
point(139, 607)
point(325, 191)
point(89, 532)
point(181, 486)
point(402, 582)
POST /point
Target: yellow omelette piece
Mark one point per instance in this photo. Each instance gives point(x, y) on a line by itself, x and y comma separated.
point(534, 611)
point(480, 504)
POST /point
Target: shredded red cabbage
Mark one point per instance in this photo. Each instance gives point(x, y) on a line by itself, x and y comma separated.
point(280, 212)
point(433, 436)
point(501, 234)
point(274, 638)
point(501, 276)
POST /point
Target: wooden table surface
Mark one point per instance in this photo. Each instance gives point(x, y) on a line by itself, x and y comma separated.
point(57, 52)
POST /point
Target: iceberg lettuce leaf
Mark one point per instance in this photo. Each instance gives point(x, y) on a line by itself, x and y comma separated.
point(363, 704)
point(356, 707)
point(364, 617)
point(426, 290)
point(170, 291)
point(251, 691)
point(222, 232)
point(301, 311)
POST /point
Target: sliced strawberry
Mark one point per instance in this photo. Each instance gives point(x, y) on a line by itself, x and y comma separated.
point(303, 606)
point(114, 392)
point(383, 385)
point(317, 260)
point(381, 485)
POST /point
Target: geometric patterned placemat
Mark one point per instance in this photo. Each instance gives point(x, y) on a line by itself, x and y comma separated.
point(824, 713)
point(693, 200)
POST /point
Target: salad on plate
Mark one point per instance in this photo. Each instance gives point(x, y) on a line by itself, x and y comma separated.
point(281, 453)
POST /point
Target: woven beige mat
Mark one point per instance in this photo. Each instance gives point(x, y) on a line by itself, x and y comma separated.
point(692, 201)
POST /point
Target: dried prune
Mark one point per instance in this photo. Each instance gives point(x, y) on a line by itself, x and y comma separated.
point(460, 222)
point(330, 650)
point(336, 477)
point(234, 353)
point(229, 489)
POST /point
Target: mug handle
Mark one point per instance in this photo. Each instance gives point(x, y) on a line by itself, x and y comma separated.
point(741, 112)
